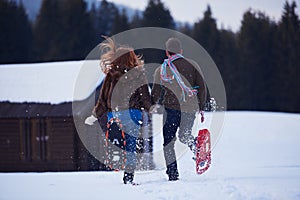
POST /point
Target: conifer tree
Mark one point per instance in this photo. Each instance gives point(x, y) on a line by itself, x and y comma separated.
point(256, 39)
point(120, 22)
point(63, 30)
point(157, 15)
point(206, 33)
point(103, 18)
point(186, 28)
point(77, 30)
point(136, 21)
point(15, 34)
point(47, 31)
point(229, 59)
point(287, 57)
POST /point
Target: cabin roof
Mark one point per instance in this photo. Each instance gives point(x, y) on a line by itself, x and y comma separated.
point(32, 110)
point(49, 83)
point(48, 89)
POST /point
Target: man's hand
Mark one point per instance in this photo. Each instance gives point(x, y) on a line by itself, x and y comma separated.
point(154, 109)
point(202, 116)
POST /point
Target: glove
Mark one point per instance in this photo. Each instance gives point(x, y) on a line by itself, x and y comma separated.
point(202, 116)
point(90, 120)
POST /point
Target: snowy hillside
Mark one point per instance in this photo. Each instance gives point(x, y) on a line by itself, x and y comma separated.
point(256, 157)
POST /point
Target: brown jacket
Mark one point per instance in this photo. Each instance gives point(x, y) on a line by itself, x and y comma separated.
point(170, 94)
point(123, 88)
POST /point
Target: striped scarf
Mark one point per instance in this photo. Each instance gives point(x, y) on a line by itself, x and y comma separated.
point(164, 77)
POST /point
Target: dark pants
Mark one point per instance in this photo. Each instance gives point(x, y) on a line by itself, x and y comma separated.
point(174, 119)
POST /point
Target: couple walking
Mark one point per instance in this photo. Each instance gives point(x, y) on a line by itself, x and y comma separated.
point(178, 86)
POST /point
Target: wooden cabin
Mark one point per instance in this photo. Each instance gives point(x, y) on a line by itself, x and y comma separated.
point(37, 137)
point(37, 121)
point(37, 132)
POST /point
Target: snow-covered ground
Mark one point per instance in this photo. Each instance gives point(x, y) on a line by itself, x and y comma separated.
point(256, 157)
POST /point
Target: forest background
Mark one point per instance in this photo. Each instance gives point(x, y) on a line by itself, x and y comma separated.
point(259, 63)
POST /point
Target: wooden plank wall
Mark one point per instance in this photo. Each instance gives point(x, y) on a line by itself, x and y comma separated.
point(9, 143)
point(40, 144)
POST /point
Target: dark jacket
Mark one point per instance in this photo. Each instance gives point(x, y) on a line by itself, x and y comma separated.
point(170, 94)
point(123, 88)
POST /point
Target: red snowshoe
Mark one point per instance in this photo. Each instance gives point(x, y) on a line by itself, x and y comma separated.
point(203, 151)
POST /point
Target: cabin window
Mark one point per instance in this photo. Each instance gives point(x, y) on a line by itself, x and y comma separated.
point(34, 139)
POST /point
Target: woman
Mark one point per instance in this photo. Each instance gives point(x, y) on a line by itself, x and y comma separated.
point(124, 95)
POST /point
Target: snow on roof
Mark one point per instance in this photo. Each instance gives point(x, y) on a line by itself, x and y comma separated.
point(52, 82)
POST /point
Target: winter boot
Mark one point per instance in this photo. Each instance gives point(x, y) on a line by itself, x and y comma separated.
point(173, 177)
point(193, 146)
point(172, 172)
point(128, 178)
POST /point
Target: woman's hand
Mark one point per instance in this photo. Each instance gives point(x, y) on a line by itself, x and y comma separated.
point(90, 120)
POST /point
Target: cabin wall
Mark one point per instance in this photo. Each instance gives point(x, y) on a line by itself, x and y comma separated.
point(10, 144)
point(40, 144)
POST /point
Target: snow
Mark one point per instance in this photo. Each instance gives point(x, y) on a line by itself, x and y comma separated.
point(52, 82)
point(256, 157)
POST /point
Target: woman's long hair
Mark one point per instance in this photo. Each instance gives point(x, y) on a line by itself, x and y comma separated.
point(117, 58)
point(115, 61)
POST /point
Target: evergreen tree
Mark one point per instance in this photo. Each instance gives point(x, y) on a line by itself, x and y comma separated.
point(94, 18)
point(63, 30)
point(206, 33)
point(103, 18)
point(15, 34)
point(256, 45)
point(120, 23)
point(229, 59)
point(48, 31)
point(287, 57)
point(186, 29)
point(136, 20)
point(156, 15)
point(77, 30)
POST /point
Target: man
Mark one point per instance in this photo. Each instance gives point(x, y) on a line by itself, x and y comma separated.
point(180, 88)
